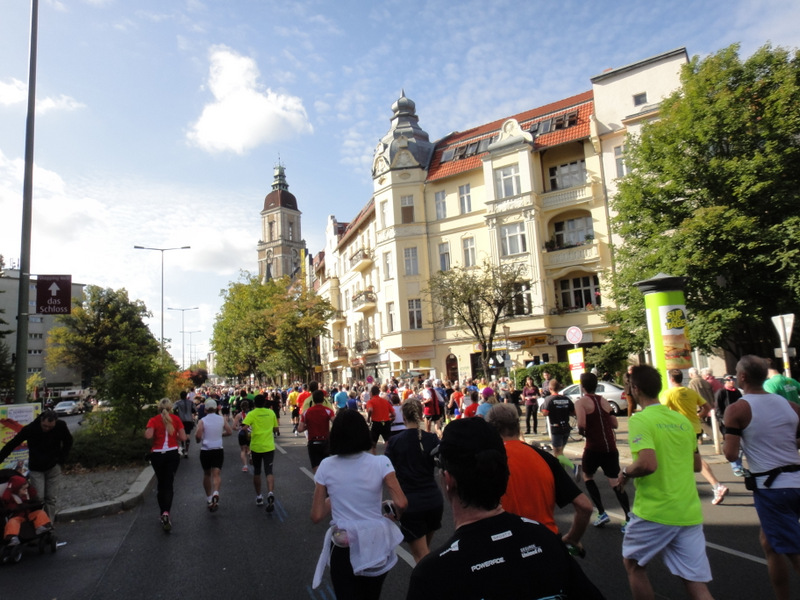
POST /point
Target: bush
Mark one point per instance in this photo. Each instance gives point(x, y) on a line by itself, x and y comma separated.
point(97, 445)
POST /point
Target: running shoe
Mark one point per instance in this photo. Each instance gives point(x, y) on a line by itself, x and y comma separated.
point(624, 527)
point(719, 494)
point(165, 522)
point(214, 504)
point(738, 472)
point(270, 503)
point(245, 469)
point(601, 520)
point(259, 500)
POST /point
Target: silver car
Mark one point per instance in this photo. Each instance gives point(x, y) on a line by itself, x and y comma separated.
point(613, 393)
point(68, 407)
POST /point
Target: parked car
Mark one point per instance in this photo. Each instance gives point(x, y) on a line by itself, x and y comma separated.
point(615, 394)
point(68, 407)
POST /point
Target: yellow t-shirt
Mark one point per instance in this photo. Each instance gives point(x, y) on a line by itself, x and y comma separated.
point(686, 402)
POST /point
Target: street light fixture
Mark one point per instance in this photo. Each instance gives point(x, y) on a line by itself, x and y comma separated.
point(183, 337)
point(162, 250)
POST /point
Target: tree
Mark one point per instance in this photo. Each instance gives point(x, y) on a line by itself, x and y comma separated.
point(713, 195)
point(478, 299)
point(105, 322)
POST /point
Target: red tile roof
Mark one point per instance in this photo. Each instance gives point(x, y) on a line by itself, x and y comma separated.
point(352, 227)
point(583, 103)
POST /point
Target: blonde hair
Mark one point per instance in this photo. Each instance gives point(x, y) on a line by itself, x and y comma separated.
point(412, 411)
point(165, 408)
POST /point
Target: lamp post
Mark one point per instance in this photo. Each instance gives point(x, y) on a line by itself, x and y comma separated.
point(506, 331)
point(162, 250)
point(190, 341)
point(183, 337)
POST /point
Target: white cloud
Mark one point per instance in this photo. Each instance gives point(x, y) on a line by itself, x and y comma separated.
point(16, 92)
point(244, 114)
point(13, 92)
point(61, 103)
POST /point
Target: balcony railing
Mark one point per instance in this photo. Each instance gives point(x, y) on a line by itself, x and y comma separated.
point(340, 352)
point(361, 259)
point(576, 255)
point(337, 316)
point(366, 346)
point(364, 301)
point(567, 198)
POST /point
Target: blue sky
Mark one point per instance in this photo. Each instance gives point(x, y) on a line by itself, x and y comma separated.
point(159, 121)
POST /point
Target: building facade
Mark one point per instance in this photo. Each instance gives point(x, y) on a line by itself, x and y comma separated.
point(531, 190)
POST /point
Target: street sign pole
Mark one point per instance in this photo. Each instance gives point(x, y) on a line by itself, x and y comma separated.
point(784, 325)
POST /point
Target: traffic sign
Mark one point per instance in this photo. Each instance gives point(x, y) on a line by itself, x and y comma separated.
point(54, 294)
point(574, 335)
point(784, 324)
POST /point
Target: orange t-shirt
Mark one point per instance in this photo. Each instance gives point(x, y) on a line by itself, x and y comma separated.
point(381, 409)
point(531, 491)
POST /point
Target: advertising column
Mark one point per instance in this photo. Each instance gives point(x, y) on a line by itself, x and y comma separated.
point(665, 309)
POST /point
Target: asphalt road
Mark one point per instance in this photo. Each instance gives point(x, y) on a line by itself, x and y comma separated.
point(242, 552)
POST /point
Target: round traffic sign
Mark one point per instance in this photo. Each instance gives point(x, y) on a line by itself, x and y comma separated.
point(574, 335)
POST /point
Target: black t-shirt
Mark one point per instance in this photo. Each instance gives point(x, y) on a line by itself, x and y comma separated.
point(501, 558)
point(560, 409)
point(415, 467)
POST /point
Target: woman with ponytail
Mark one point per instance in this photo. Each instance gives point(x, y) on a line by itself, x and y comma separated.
point(166, 430)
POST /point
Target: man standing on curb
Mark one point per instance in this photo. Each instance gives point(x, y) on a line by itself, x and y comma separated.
point(765, 425)
point(263, 424)
point(667, 516)
point(49, 443)
point(210, 431)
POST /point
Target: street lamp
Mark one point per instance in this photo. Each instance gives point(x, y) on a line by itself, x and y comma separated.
point(506, 331)
point(190, 341)
point(162, 250)
point(183, 337)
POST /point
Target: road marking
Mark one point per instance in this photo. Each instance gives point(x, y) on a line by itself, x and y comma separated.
point(756, 559)
point(401, 552)
point(280, 449)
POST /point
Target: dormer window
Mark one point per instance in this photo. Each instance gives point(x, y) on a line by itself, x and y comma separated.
point(640, 99)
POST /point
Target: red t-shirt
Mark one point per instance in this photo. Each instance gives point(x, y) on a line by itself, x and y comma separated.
point(301, 399)
point(471, 410)
point(162, 440)
point(531, 491)
point(317, 420)
point(381, 409)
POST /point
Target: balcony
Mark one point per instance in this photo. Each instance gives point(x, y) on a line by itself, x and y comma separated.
point(366, 347)
point(575, 256)
point(364, 301)
point(568, 198)
point(340, 352)
point(361, 259)
point(337, 316)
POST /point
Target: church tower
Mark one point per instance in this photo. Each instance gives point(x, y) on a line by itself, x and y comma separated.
point(281, 248)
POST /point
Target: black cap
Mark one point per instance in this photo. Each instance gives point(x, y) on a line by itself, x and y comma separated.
point(463, 439)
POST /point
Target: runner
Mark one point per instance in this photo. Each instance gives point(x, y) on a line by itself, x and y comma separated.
point(380, 414)
point(263, 423)
point(186, 411)
point(243, 435)
point(317, 421)
point(558, 409)
point(210, 431)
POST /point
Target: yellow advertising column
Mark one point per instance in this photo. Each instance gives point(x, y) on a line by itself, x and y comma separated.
point(665, 309)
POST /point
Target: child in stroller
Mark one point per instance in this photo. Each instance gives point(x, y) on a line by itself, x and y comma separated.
point(25, 519)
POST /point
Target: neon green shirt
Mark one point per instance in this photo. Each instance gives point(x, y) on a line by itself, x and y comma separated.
point(669, 495)
point(686, 402)
point(262, 421)
point(783, 386)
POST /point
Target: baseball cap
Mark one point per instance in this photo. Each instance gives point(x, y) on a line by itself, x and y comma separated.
point(211, 404)
point(486, 392)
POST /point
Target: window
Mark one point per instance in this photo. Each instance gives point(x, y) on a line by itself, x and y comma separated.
point(573, 232)
point(407, 209)
point(464, 199)
point(469, 252)
point(544, 126)
point(512, 239)
point(384, 205)
point(506, 181)
point(619, 158)
point(520, 303)
point(35, 336)
point(271, 231)
point(291, 230)
point(639, 99)
point(33, 319)
point(568, 175)
point(441, 206)
point(447, 155)
point(471, 149)
point(410, 256)
point(444, 256)
point(577, 293)
point(415, 314)
point(460, 151)
point(35, 352)
point(390, 317)
point(388, 272)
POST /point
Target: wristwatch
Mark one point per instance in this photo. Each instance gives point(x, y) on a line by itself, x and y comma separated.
point(625, 473)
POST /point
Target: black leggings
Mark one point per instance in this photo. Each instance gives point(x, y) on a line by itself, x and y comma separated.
point(348, 586)
point(165, 465)
point(531, 411)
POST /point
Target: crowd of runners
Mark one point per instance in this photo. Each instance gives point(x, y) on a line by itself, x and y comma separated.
point(461, 444)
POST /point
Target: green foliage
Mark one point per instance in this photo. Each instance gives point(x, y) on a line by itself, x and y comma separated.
point(131, 382)
point(6, 368)
point(713, 195)
point(268, 329)
point(477, 300)
point(107, 447)
point(107, 321)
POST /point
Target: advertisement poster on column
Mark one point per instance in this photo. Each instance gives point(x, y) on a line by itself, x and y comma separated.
point(576, 364)
point(13, 417)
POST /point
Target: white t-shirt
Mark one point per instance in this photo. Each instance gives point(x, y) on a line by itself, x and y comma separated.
point(355, 485)
point(213, 425)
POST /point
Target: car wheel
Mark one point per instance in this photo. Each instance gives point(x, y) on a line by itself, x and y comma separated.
point(614, 408)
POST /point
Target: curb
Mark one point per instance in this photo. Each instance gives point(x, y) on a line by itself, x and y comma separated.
point(126, 501)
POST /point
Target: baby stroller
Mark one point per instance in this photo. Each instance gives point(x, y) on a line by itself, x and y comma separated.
point(12, 553)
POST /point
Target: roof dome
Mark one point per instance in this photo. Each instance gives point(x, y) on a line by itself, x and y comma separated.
point(280, 196)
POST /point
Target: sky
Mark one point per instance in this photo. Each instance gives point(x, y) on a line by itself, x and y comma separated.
point(158, 122)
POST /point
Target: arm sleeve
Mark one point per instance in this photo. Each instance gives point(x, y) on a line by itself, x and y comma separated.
point(66, 443)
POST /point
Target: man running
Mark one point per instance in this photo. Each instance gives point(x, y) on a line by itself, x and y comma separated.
point(596, 424)
point(380, 415)
point(263, 424)
point(210, 431)
point(558, 409)
point(317, 421)
point(186, 410)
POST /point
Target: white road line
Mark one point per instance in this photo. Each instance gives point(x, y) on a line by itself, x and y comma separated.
point(401, 552)
point(280, 449)
point(756, 559)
